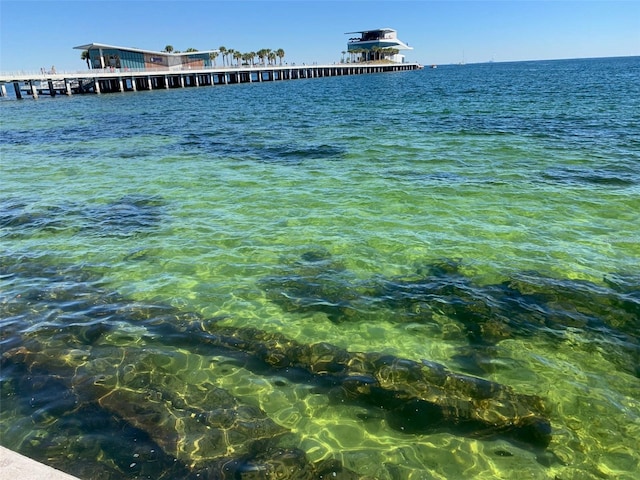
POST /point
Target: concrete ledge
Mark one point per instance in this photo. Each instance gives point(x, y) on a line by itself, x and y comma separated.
point(14, 466)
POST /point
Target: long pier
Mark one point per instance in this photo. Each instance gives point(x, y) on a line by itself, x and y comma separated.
point(123, 80)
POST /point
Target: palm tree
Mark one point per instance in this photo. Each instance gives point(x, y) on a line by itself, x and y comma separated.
point(85, 56)
point(168, 48)
point(272, 58)
point(280, 54)
point(212, 57)
point(342, 59)
point(223, 52)
point(261, 54)
point(390, 52)
point(190, 49)
point(376, 52)
point(237, 56)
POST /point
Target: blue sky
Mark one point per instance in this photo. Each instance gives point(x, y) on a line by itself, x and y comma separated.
point(35, 34)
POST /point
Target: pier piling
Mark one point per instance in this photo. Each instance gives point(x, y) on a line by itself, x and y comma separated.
point(33, 90)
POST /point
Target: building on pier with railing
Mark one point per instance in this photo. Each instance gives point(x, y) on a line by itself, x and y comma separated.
point(101, 56)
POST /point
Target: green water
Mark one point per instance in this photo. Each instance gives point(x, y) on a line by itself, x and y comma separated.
point(501, 169)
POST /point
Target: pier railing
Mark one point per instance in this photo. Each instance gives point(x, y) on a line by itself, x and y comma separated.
point(125, 79)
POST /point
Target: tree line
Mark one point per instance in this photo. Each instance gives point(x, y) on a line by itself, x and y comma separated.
point(265, 56)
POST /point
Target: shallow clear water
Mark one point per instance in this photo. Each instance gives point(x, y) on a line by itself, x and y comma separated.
point(326, 210)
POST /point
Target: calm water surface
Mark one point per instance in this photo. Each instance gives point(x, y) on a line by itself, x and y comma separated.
point(170, 258)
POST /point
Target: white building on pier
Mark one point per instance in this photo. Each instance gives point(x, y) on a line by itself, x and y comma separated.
point(380, 44)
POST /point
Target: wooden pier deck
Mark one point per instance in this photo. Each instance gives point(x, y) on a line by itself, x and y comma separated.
point(121, 80)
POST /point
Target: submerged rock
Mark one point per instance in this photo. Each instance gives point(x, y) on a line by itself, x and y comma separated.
point(127, 216)
point(418, 397)
point(525, 305)
point(206, 431)
point(72, 434)
point(315, 283)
